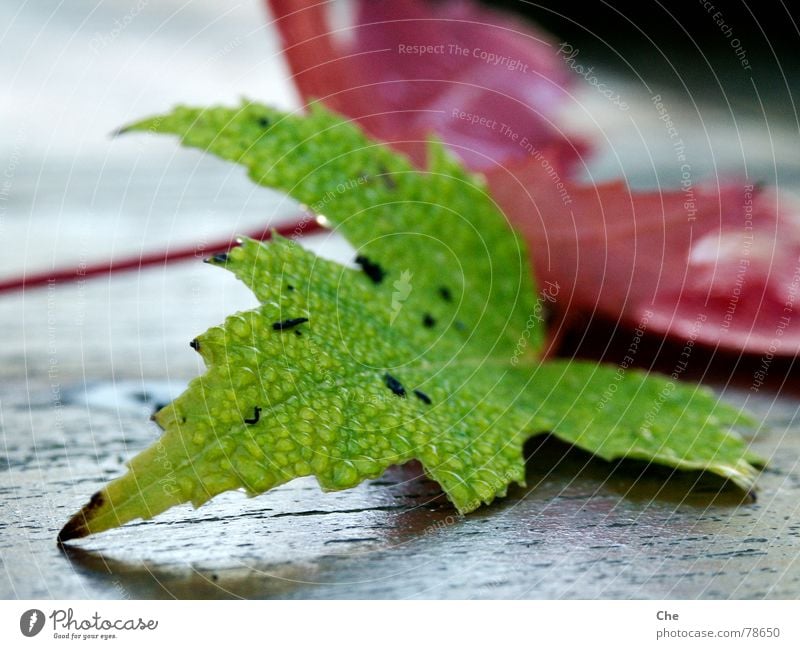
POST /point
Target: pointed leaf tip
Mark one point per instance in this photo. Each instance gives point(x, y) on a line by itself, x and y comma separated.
point(78, 526)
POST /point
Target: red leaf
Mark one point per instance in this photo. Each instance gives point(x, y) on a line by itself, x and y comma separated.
point(720, 267)
point(478, 66)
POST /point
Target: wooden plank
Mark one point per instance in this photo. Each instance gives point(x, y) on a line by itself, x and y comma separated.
point(582, 528)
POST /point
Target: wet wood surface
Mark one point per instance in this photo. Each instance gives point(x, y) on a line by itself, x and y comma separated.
point(581, 529)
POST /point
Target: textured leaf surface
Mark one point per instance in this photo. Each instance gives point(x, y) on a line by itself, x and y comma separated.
point(441, 225)
point(429, 353)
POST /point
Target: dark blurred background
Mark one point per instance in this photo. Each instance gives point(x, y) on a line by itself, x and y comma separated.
point(698, 45)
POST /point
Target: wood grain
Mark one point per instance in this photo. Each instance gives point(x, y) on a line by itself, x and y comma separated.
point(582, 528)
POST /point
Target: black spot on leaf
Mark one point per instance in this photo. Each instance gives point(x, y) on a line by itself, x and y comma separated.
point(428, 320)
point(394, 385)
point(422, 396)
point(256, 416)
point(387, 179)
point(219, 258)
point(371, 269)
point(447, 296)
point(96, 501)
point(288, 324)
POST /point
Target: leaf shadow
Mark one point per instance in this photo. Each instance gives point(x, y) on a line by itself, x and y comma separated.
point(556, 466)
point(120, 579)
point(413, 510)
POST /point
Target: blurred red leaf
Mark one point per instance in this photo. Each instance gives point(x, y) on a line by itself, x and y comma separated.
point(720, 267)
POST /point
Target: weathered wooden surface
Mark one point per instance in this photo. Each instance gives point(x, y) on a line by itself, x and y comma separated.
point(582, 528)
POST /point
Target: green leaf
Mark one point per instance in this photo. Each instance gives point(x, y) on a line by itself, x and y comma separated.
point(430, 353)
point(441, 226)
